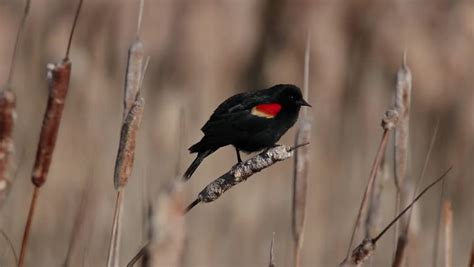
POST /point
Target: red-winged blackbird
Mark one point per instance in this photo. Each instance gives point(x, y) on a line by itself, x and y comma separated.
point(250, 121)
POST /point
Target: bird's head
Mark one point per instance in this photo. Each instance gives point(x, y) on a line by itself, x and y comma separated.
point(289, 95)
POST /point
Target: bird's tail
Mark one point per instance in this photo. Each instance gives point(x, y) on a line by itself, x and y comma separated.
point(200, 156)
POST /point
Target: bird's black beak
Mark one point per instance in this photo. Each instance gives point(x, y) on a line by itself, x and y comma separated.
point(303, 102)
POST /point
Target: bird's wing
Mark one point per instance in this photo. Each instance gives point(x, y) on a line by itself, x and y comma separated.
point(235, 114)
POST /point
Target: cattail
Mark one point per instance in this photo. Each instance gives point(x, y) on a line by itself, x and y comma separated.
point(133, 105)
point(8, 114)
point(402, 141)
point(58, 85)
point(7, 123)
point(300, 170)
point(58, 77)
point(403, 238)
point(134, 75)
point(402, 105)
point(128, 136)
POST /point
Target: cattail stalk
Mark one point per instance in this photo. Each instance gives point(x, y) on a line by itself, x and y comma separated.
point(300, 170)
point(78, 223)
point(8, 114)
point(133, 105)
point(10, 244)
point(374, 208)
point(471, 261)
point(448, 233)
point(403, 238)
point(402, 141)
point(438, 225)
point(272, 256)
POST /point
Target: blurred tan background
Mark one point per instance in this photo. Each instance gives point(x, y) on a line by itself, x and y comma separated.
point(204, 51)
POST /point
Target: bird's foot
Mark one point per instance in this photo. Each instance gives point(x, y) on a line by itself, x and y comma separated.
point(239, 159)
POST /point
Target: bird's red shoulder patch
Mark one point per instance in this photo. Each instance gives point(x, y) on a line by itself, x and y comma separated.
point(266, 110)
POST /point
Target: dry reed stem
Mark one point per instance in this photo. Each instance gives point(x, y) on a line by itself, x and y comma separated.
point(78, 223)
point(300, 169)
point(58, 85)
point(241, 172)
point(471, 261)
point(8, 115)
point(139, 255)
point(448, 233)
point(272, 256)
point(402, 105)
point(389, 122)
point(402, 140)
point(181, 136)
point(167, 231)
point(113, 256)
point(374, 212)
point(438, 224)
point(76, 17)
point(300, 188)
point(403, 237)
point(364, 250)
point(19, 34)
point(10, 244)
point(29, 221)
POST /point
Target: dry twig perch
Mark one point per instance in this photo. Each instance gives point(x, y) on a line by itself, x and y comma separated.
point(241, 172)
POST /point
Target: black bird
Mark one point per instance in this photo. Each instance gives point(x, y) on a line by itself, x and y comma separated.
point(250, 121)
